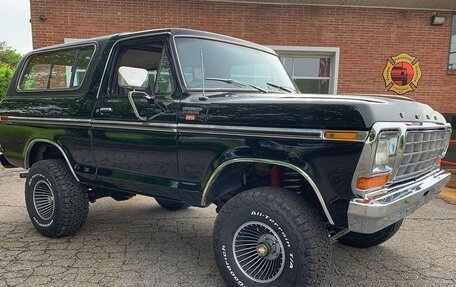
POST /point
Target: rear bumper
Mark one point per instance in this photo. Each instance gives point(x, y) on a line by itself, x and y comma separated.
point(397, 203)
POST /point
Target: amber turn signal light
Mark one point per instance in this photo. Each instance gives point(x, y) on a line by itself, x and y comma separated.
point(338, 135)
point(371, 182)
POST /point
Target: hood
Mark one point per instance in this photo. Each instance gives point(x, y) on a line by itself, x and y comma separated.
point(310, 111)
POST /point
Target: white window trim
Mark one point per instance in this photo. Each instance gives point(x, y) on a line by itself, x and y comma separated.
point(71, 40)
point(333, 52)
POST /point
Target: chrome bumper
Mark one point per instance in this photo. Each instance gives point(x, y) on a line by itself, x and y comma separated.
point(399, 202)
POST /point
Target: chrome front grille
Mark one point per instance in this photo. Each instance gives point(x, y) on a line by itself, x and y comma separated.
point(422, 150)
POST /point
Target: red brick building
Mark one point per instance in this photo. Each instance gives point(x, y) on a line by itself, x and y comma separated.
point(327, 46)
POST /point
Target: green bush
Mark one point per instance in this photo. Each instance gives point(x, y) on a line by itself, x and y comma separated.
point(8, 61)
point(6, 72)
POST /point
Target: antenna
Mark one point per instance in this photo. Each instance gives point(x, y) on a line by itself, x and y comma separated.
point(202, 71)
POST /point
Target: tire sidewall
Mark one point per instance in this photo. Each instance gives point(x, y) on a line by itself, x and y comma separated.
point(224, 250)
point(38, 222)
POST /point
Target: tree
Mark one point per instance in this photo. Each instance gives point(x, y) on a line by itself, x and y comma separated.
point(6, 73)
point(8, 55)
point(8, 61)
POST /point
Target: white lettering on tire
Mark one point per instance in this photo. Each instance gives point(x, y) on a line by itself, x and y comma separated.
point(274, 223)
point(228, 266)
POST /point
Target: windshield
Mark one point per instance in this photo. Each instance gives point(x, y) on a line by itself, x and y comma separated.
point(229, 66)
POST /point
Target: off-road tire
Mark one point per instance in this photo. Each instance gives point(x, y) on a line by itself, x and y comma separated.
point(71, 203)
point(172, 205)
point(296, 223)
point(360, 240)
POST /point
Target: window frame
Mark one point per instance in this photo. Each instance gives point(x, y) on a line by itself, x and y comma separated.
point(53, 50)
point(111, 68)
point(452, 22)
point(311, 52)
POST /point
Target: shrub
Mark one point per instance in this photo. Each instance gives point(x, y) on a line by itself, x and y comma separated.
point(6, 73)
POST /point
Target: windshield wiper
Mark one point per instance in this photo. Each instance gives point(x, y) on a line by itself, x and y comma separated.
point(232, 81)
point(290, 90)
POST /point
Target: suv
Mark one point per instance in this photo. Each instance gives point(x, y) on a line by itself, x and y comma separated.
point(193, 119)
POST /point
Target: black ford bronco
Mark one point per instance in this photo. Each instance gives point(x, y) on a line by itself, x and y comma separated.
point(193, 119)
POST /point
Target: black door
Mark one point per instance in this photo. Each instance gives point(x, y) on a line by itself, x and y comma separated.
point(131, 154)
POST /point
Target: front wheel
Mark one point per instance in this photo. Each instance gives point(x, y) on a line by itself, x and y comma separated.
point(360, 240)
point(271, 237)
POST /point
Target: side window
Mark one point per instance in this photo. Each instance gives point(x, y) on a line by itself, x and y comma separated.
point(84, 57)
point(143, 56)
point(58, 70)
point(36, 75)
point(62, 69)
point(152, 56)
point(165, 82)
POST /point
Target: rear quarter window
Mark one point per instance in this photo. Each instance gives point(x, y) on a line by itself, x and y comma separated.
point(62, 69)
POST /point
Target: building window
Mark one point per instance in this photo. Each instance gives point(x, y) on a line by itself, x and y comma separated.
point(313, 69)
point(311, 74)
point(452, 62)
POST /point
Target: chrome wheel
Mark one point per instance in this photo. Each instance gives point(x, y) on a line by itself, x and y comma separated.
point(43, 199)
point(259, 252)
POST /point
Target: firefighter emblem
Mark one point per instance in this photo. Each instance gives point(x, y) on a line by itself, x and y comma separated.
point(402, 73)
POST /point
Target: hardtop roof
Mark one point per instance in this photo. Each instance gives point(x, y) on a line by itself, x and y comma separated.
point(176, 32)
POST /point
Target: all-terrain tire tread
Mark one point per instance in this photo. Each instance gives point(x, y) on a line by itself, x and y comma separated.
point(73, 199)
point(305, 221)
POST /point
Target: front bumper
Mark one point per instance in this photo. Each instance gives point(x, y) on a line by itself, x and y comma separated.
point(398, 202)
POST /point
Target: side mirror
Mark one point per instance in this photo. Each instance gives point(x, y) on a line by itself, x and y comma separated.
point(132, 78)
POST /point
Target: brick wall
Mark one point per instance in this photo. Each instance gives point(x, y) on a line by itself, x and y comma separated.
point(366, 37)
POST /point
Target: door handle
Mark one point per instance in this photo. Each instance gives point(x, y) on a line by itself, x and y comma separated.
point(105, 111)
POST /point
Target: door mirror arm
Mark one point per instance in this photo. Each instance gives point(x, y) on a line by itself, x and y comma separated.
point(149, 98)
point(133, 105)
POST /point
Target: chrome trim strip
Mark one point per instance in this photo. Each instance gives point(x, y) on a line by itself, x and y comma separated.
point(49, 121)
point(33, 142)
point(291, 133)
point(219, 169)
point(247, 131)
point(251, 131)
point(160, 127)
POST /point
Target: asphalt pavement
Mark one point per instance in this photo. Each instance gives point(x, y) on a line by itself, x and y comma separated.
point(137, 243)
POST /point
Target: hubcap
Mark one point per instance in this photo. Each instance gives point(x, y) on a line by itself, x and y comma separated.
point(43, 199)
point(262, 249)
point(259, 252)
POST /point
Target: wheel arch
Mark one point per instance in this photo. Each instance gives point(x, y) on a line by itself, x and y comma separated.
point(219, 170)
point(31, 148)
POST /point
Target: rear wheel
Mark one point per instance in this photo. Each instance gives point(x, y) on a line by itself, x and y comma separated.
point(172, 205)
point(270, 237)
point(56, 203)
point(361, 240)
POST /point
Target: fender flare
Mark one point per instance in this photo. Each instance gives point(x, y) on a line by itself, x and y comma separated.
point(220, 168)
point(35, 141)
